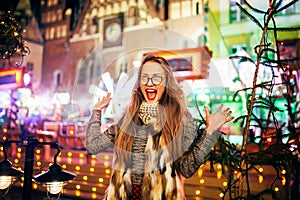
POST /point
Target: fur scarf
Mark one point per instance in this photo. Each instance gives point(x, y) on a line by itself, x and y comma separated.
point(160, 180)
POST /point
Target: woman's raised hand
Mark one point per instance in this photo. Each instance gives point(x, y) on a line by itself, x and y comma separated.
point(215, 121)
point(102, 102)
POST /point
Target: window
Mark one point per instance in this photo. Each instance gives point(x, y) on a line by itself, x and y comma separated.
point(81, 76)
point(57, 78)
point(186, 8)
point(236, 14)
point(238, 49)
point(288, 10)
point(175, 8)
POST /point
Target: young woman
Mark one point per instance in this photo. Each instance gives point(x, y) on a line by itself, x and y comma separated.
point(156, 142)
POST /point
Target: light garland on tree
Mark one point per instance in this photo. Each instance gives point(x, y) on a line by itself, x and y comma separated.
point(12, 45)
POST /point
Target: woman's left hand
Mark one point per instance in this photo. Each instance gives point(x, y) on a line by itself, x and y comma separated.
point(215, 121)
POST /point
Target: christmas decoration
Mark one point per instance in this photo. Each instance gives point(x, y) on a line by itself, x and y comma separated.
point(12, 45)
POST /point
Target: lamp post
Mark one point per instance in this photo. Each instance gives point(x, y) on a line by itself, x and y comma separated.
point(55, 176)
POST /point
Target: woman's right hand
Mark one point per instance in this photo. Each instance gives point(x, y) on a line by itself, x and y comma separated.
point(102, 102)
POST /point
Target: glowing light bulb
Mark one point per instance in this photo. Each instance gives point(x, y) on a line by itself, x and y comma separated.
point(5, 182)
point(55, 187)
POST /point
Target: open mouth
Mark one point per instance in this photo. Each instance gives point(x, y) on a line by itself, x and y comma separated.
point(151, 93)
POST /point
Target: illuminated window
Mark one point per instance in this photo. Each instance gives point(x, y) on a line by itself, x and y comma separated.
point(108, 10)
point(175, 7)
point(116, 7)
point(58, 32)
point(48, 17)
point(64, 31)
point(236, 14)
point(53, 16)
point(124, 6)
point(288, 10)
point(59, 15)
point(197, 8)
point(51, 33)
point(186, 8)
point(101, 11)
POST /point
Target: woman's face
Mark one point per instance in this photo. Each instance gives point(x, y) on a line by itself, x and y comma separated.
point(152, 81)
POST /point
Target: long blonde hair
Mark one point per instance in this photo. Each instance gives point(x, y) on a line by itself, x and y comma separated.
point(172, 101)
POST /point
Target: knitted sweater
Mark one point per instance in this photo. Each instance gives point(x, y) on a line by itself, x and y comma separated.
point(158, 174)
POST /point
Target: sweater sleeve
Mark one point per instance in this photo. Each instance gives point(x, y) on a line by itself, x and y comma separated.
point(195, 148)
point(95, 140)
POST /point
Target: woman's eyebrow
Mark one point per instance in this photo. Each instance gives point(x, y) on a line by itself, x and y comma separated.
point(157, 74)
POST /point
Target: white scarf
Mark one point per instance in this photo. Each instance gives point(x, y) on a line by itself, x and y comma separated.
point(148, 112)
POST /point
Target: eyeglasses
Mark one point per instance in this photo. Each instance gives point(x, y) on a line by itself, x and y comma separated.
point(155, 80)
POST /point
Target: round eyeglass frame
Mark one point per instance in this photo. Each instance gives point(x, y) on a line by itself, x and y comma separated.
point(155, 80)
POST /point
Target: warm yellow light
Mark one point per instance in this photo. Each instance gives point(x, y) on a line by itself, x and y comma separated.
point(92, 169)
point(64, 166)
point(94, 189)
point(54, 187)
point(16, 160)
point(202, 181)
point(107, 171)
point(19, 155)
point(77, 193)
point(38, 157)
point(219, 174)
point(106, 164)
point(69, 161)
point(224, 183)
point(283, 172)
point(221, 195)
point(69, 154)
point(93, 156)
point(260, 178)
point(81, 155)
point(276, 189)
point(260, 169)
point(101, 180)
point(5, 182)
point(106, 157)
point(93, 162)
point(38, 151)
point(85, 178)
point(77, 168)
point(200, 172)
point(94, 196)
point(35, 186)
point(283, 181)
point(219, 166)
point(38, 163)
point(197, 192)
point(78, 187)
point(19, 150)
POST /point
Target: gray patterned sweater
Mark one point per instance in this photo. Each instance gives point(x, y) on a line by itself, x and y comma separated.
point(195, 148)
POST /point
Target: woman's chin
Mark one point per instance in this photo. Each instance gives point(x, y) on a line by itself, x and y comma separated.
point(151, 101)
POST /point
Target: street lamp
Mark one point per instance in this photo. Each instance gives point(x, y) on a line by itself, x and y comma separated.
point(54, 179)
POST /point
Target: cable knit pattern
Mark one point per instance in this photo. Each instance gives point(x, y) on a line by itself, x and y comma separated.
point(138, 156)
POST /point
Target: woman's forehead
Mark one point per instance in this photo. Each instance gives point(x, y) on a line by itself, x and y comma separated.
point(152, 68)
